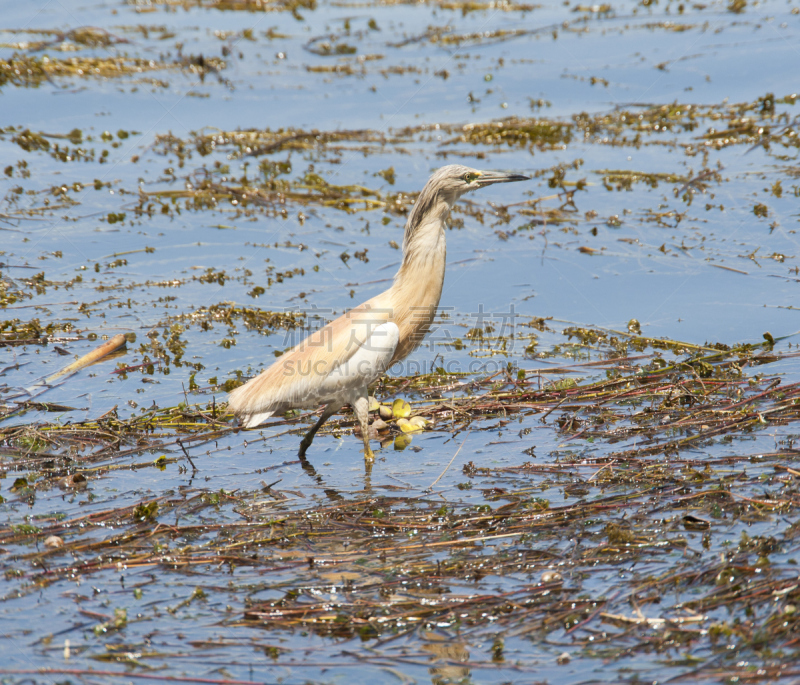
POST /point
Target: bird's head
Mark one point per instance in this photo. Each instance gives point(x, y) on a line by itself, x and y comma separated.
point(452, 181)
point(428, 215)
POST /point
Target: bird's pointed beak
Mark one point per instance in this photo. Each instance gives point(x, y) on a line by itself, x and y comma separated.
point(488, 177)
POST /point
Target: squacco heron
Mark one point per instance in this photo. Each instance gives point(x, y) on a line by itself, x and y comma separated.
point(335, 365)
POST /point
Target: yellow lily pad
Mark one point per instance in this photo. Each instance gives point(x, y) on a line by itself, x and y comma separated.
point(407, 427)
point(401, 409)
point(374, 405)
point(419, 421)
point(402, 441)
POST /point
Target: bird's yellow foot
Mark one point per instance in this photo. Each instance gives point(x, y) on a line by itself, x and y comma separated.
point(369, 455)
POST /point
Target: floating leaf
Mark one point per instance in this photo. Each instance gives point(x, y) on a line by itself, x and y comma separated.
point(19, 484)
point(402, 441)
point(418, 421)
point(401, 409)
point(407, 427)
point(145, 511)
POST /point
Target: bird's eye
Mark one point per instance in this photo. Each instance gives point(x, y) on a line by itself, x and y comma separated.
point(470, 177)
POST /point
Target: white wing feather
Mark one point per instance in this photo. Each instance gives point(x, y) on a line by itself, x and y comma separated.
point(369, 362)
point(254, 420)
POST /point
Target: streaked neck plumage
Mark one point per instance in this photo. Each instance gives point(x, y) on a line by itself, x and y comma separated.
point(417, 287)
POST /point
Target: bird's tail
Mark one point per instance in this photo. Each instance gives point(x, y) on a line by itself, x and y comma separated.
point(253, 420)
point(240, 403)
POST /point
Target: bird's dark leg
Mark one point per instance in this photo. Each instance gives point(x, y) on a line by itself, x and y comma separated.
point(329, 411)
point(361, 408)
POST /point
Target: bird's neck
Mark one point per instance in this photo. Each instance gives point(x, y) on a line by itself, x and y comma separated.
point(417, 287)
point(421, 275)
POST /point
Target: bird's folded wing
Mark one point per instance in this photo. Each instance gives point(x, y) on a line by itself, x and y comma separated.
point(372, 358)
point(299, 377)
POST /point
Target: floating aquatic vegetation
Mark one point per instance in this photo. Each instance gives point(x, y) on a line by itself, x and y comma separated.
point(463, 6)
point(525, 132)
point(623, 179)
point(10, 291)
point(205, 193)
point(228, 314)
point(407, 564)
point(84, 37)
point(293, 6)
point(255, 143)
point(31, 72)
point(32, 331)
